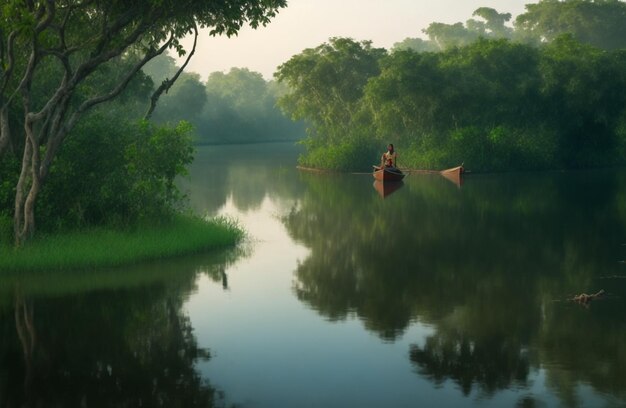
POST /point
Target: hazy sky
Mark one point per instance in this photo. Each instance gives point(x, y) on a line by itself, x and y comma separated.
point(309, 23)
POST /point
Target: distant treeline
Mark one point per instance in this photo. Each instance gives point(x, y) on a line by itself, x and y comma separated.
point(547, 92)
point(234, 107)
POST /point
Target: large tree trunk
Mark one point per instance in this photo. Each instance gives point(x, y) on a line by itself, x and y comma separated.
point(35, 170)
point(28, 187)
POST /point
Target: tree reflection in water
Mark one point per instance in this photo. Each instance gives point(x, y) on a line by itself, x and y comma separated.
point(121, 341)
point(493, 364)
point(485, 265)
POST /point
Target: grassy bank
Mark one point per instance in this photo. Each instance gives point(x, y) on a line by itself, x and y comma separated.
point(101, 248)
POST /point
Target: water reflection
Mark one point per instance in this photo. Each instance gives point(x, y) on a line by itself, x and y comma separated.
point(438, 296)
point(244, 174)
point(492, 363)
point(488, 266)
point(105, 339)
point(388, 188)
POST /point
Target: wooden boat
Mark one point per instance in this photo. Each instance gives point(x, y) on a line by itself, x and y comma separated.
point(454, 174)
point(387, 174)
point(456, 171)
point(385, 189)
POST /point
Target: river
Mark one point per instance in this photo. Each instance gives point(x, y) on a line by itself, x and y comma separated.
point(435, 294)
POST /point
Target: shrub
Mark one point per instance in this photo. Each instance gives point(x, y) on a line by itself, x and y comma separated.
point(349, 155)
point(114, 175)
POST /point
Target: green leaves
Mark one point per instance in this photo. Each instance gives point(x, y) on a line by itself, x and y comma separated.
point(494, 104)
point(327, 84)
point(73, 55)
point(153, 160)
point(116, 175)
point(601, 24)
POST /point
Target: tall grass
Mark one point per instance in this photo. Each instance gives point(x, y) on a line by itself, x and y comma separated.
point(99, 248)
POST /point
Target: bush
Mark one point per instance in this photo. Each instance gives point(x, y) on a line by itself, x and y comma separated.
point(350, 155)
point(6, 230)
point(114, 175)
point(154, 159)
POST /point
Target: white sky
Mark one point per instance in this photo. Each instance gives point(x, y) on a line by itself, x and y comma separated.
point(309, 23)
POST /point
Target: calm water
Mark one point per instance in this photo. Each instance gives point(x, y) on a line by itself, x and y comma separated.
point(437, 295)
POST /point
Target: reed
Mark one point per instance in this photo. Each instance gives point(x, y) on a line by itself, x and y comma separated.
point(99, 248)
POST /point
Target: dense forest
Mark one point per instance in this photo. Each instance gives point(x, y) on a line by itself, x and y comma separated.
point(234, 107)
point(547, 91)
point(79, 146)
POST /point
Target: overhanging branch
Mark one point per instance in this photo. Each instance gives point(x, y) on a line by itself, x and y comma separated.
point(90, 103)
point(167, 83)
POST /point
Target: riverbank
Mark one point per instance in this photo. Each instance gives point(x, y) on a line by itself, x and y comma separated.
point(101, 248)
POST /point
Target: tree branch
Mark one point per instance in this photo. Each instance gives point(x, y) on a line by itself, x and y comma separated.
point(167, 83)
point(50, 11)
point(54, 142)
point(99, 58)
point(69, 83)
point(122, 85)
point(62, 131)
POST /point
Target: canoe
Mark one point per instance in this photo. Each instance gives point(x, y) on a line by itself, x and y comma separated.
point(454, 174)
point(454, 171)
point(388, 174)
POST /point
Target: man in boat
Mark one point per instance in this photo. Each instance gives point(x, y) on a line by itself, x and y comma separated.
point(388, 159)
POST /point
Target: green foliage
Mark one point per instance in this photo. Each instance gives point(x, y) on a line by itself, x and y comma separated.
point(583, 89)
point(154, 159)
point(342, 156)
point(115, 174)
point(241, 107)
point(65, 58)
point(494, 24)
point(6, 230)
point(499, 149)
point(415, 44)
point(327, 83)
point(185, 101)
point(9, 174)
point(450, 35)
point(234, 107)
point(93, 180)
point(442, 36)
point(496, 105)
point(601, 24)
point(161, 68)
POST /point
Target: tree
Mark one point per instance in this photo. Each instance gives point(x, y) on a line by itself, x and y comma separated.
point(71, 41)
point(494, 25)
point(415, 44)
point(161, 67)
point(450, 35)
point(584, 89)
point(240, 86)
point(234, 107)
point(326, 88)
point(458, 35)
point(601, 23)
point(184, 101)
point(327, 83)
